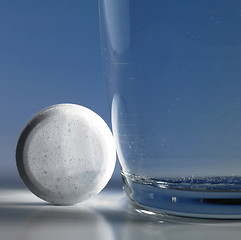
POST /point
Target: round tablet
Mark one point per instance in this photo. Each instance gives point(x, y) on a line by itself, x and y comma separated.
point(66, 154)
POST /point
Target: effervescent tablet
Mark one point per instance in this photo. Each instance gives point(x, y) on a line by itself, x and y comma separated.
point(66, 154)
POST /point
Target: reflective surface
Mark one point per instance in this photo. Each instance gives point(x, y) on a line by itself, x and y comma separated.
point(108, 215)
point(173, 75)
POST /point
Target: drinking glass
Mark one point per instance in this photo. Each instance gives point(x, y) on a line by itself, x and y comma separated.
point(173, 74)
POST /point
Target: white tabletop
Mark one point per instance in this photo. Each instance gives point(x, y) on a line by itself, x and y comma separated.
point(107, 216)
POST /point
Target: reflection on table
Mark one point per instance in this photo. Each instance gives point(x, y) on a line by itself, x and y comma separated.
point(107, 216)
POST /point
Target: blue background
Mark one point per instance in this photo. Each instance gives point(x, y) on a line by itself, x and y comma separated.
point(49, 54)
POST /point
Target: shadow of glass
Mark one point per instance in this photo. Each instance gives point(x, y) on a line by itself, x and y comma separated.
point(142, 224)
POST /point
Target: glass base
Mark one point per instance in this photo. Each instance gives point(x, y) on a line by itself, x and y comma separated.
point(205, 197)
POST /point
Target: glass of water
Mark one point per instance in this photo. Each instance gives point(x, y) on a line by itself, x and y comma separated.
point(173, 73)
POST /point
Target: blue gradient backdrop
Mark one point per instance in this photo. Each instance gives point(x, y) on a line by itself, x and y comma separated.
point(49, 54)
